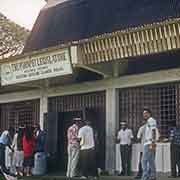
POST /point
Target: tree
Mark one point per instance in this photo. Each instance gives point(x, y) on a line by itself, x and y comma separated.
point(12, 38)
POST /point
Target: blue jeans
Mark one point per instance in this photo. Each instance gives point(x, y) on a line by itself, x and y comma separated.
point(148, 164)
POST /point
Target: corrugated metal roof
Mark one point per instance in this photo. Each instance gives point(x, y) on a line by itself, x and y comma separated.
point(73, 20)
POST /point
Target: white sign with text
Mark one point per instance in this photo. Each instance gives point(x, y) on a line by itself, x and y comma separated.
point(41, 66)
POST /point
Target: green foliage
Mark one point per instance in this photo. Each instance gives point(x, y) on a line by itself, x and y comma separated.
point(12, 37)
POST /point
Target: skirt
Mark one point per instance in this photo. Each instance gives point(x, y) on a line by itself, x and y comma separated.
point(29, 161)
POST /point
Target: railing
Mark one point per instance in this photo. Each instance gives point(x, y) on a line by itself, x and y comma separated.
point(140, 41)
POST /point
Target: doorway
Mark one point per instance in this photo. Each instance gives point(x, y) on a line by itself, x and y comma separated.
point(56, 128)
point(65, 120)
point(62, 109)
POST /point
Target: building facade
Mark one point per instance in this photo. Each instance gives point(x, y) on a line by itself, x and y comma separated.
point(120, 63)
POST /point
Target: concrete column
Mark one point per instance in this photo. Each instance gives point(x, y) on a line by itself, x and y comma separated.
point(43, 106)
point(112, 117)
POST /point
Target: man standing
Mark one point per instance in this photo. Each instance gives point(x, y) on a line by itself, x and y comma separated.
point(87, 152)
point(141, 137)
point(5, 140)
point(73, 148)
point(149, 150)
point(125, 136)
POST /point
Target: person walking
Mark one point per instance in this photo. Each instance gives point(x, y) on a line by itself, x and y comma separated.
point(149, 149)
point(125, 137)
point(73, 148)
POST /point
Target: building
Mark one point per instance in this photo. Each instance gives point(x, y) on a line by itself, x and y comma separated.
point(121, 56)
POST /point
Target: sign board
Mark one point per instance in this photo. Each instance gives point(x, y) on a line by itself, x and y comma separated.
point(41, 66)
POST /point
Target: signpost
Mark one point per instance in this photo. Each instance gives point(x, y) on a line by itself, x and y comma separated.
point(41, 66)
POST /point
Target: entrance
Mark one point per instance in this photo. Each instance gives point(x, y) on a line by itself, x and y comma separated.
point(62, 110)
point(56, 127)
point(64, 122)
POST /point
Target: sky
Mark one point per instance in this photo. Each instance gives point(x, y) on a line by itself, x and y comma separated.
point(22, 12)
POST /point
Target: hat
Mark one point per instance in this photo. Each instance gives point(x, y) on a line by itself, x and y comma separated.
point(77, 119)
point(122, 123)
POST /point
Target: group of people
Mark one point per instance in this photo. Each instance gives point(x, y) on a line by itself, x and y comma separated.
point(22, 144)
point(148, 134)
point(81, 150)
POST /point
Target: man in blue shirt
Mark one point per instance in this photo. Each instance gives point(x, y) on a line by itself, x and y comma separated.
point(40, 139)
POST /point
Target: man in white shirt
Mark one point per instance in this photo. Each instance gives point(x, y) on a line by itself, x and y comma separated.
point(124, 137)
point(87, 150)
point(5, 140)
point(149, 149)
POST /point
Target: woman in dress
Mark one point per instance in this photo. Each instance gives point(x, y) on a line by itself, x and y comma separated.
point(28, 149)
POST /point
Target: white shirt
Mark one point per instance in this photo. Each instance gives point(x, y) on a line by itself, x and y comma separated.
point(141, 135)
point(87, 137)
point(150, 126)
point(125, 136)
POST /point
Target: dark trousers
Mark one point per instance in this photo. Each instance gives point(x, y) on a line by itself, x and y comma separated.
point(175, 159)
point(126, 159)
point(2, 160)
point(88, 165)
